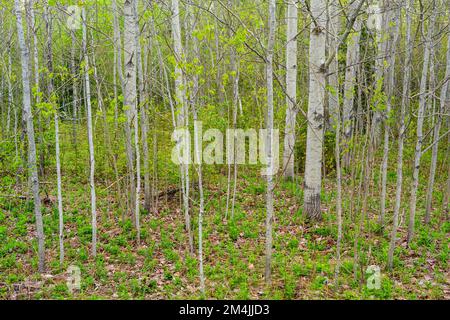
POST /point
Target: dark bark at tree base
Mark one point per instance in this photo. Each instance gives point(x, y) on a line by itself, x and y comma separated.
point(312, 208)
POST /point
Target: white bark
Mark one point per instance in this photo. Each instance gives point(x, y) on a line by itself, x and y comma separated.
point(394, 30)
point(349, 84)
point(291, 90)
point(182, 112)
point(50, 94)
point(74, 70)
point(10, 92)
point(334, 26)
point(87, 86)
point(270, 148)
point(316, 100)
point(437, 128)
point(143, 104)
point(379, 74)
point(423, 95)
point(404, 106)
point(337, 120)
point(130, 105)
point(198, 151)
point(28, 118)
point(129, 99)
point(405, 98)
point(136, 117)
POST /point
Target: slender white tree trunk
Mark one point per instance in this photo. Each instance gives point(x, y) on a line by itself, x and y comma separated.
point(87, 86)
point(404, 106)
point(182, 112)
point(420, 117)
point(437, 129)
point(60, 203)
point(334, 23)
point(129, 100)
point(316, 100)
point(379, 74)
point(136, 118)
point(10, 92)
point(445, 202)
point(270, 147)
point(198, 157)
point(28, 118)
point(50, 93)
point(291, 90)
point(143, 112)
point(75, 102)
point(337, 120)
point(394, 30)
point(349, 85)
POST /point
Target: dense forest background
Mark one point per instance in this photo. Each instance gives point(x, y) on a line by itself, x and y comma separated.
point(91, 92)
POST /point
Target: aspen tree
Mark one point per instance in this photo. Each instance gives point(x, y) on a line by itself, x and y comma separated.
point(316, 100)
point(182, 112)
point(28, 118)
point(87, 87)
point(393, 30)
point(270, 147)
point(443, 102)
point(349, 85)
point(401, 137)
point(52, 100)
point(423, 95)
point(334, 26)
point(291, 89)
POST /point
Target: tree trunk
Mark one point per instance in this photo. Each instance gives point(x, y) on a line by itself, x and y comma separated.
point(75, 102)
point(129, 99)
point(423, 95)
point(291, 90)
point(334, 23)
point(28, 118)
point(182, 112)
point(143, 105)
point(379, 74)
point(394, 30)
point(316, 100)
point(405, 102)
point(437, 128)
point(52, 101)
point(270, 148)
point(90, 135)
point(349, 86)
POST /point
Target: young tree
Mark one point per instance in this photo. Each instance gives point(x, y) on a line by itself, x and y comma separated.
point(52, 100)
point(349, 85)
point(395, 25)
point(316, 100)
point(143, 106)
point(182, 112)
point(402, 131)
point(130, 95)
point(380, 37)
point(28, 118)
point(334, 28)
point(291, 89)
point(437, 129)
point(87, 87)
point(393, 19)
point(423, 94)
point(270, 147)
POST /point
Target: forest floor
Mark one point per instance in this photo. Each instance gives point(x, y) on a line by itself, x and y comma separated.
point(303, 262)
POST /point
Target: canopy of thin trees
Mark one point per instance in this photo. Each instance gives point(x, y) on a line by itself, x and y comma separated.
point(231, 149)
